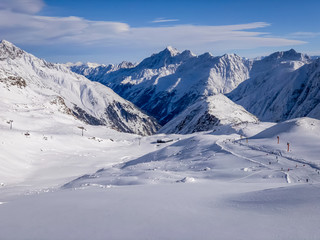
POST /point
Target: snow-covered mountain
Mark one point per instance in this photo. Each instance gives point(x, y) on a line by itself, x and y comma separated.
point(27, 81)
point(207, 113)
point(274, 88)
point(94, 71)
point(282, 86)
point(168, 82)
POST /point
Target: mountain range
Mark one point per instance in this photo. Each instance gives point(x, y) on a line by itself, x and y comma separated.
point(282, 86)
point(275, 88)
point(185, 93)
point(166, 83)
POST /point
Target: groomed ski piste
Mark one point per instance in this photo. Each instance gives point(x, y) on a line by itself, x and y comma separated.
point(228, 183)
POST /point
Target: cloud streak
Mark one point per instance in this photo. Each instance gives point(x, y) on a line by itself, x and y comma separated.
point(32, 29)
point(20, 25)
point(164, 20)
point(22, 6)
point(305, 34)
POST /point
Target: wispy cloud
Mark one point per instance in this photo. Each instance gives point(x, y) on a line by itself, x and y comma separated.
point(305, 34)
point(164, 20)
point(22, 6)
point(25, 28)
point(32, 29)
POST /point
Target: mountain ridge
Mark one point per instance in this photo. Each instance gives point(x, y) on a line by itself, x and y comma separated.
point(88, 101)
point(168, 82)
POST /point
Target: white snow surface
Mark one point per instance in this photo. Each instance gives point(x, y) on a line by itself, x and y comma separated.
point(57, 184)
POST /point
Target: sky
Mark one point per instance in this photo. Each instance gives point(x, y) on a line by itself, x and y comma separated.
point(111, 31)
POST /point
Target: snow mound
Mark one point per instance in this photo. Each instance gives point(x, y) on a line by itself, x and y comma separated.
point(278, 198)
point(186, 180)
point(299, 126)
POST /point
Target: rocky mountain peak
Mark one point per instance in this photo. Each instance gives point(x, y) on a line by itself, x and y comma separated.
point(173, 51)
point(291, 54)
point(9, 50)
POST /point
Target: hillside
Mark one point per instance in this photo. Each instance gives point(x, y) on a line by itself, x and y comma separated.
point(283, 86)
point(207, 114)
point(29, 82)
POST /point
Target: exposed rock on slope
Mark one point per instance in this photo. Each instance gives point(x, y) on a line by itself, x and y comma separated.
point(86, 100)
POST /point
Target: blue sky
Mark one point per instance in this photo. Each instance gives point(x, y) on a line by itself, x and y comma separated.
point(112, 31)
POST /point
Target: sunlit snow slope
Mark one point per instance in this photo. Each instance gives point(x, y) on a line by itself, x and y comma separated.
point(208, 113)
point(27, 80)
point(282, 86)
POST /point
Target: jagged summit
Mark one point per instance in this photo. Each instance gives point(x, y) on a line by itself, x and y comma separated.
point(206, 55)
point(164, 58)
point(173, 51)
point(126, 64)
point(9, 50)
point(231, 56)
point(5, 42)
point(188, 53)
point(167, 52)
point(287, 55)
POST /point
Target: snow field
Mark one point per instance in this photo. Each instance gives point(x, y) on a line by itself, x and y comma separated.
point(198, 186)
point(176, 211)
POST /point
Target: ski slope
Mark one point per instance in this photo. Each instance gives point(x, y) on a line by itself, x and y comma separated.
point(110, 185)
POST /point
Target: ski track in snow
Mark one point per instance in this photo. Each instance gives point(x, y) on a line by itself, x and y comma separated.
point(279, 153)
point(290, 178)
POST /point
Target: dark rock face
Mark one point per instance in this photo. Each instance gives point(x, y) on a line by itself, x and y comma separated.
point(206, 122)
point(14, 81)
point(86, 117)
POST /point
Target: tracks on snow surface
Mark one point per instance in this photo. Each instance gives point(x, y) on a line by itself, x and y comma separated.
point(294, 169)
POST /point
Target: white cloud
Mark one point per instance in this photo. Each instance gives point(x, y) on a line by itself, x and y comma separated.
point(22, 6)
point(29, 29)
point(164, 20)
point(25, 28)
point(222, 37)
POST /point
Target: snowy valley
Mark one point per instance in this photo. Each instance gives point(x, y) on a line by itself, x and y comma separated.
point(77, 161)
